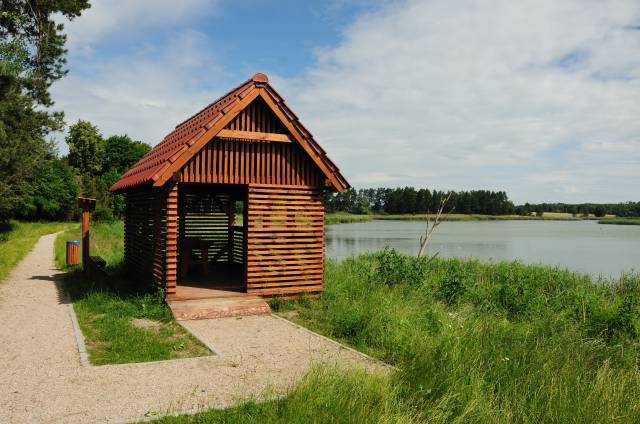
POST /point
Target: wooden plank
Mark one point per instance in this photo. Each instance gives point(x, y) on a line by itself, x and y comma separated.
point(251, 289)
point(205, 138)
point(302, 141)
point(254, 136)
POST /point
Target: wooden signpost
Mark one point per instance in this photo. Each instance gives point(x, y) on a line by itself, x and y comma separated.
point(87, 205)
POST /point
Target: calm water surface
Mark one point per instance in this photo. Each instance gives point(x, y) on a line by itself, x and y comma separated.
point(584, 246)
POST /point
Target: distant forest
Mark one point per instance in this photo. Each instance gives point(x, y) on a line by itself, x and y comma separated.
point(409, 200)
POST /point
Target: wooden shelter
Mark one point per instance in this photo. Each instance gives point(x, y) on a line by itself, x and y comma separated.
point(232, 200)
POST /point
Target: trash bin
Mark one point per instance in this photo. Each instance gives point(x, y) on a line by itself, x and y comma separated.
point(73, 252)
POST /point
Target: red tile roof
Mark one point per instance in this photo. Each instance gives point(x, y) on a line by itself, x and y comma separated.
point(151, 167)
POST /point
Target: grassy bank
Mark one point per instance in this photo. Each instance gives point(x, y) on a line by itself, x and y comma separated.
point(476, 217)
point(620, 221)
point(345, 218)
point(474, 343)
point(341, 218)
point(121, 322)
point(18, 238)
point(488, 343)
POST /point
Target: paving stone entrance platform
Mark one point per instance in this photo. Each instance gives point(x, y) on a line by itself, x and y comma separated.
point(219, 307)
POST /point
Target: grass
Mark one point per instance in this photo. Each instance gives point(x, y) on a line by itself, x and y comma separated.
point(18, 238)
point(325, 395)
point(488, 342)
point(620, 221)
point(122, 322)
point(346, 218)
point(474, 343)
point(477, 217)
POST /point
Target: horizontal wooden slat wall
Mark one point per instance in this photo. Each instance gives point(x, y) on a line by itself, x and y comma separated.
point(206, 216)
point(285, 240)
point(235, 161)
point(238, 245)
point(145, 235)
point(170, 232)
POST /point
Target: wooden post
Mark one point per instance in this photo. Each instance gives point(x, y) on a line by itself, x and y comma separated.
point(87, 205)
point(171, 253)
point(230, 223)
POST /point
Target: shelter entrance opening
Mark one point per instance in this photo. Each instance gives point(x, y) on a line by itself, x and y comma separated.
point(211, 241)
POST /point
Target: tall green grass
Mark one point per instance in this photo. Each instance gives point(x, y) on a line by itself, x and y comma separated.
point(106, 239)
point(474, 343)
point(345, 218)
point(489, 343)
point(325, 395)
point(18, 238)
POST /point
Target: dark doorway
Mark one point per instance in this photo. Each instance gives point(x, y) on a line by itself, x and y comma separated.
point(211, 241)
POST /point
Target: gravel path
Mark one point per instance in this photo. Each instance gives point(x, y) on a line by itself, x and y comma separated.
point(42, 380)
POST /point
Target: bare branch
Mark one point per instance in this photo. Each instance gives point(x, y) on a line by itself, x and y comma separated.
point(431, 226)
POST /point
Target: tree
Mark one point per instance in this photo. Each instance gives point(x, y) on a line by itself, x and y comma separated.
point(31, 59)
point(362, 206)
point(23, 126)
point(121, 153)
point(599, 211)
point(57, 189)
point(32, 22)
point(86, 148)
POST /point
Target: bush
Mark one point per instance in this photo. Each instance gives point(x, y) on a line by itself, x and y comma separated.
point(395, 268)
point(599, 211)
point(102, 214)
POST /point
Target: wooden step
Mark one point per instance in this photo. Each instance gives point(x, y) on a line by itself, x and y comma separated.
point(183, 310)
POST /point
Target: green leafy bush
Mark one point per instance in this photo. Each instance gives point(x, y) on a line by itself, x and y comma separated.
point(102, 214)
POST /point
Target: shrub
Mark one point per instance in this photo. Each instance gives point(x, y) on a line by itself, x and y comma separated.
point(394, 268)
point(102, 214)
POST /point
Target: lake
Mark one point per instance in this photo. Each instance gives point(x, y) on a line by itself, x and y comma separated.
point(584, 246)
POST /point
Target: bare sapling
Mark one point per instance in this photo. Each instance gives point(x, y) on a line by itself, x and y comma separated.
point(432, 225)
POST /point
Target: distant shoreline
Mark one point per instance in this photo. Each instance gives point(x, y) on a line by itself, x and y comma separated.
point(345, 218)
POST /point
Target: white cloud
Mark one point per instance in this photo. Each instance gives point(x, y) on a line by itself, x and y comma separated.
point(143, 95)
point(121, 18)
point(137, 68)
point(538, 98)
point(483, 94)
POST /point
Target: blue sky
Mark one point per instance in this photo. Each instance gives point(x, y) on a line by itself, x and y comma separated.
point(539, 98)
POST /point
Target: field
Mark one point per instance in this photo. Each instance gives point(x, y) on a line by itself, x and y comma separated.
point(122, 322)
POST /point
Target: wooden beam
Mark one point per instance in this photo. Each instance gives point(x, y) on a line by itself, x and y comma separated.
point(301, 140)
point(205, 138)
point(255, 136)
